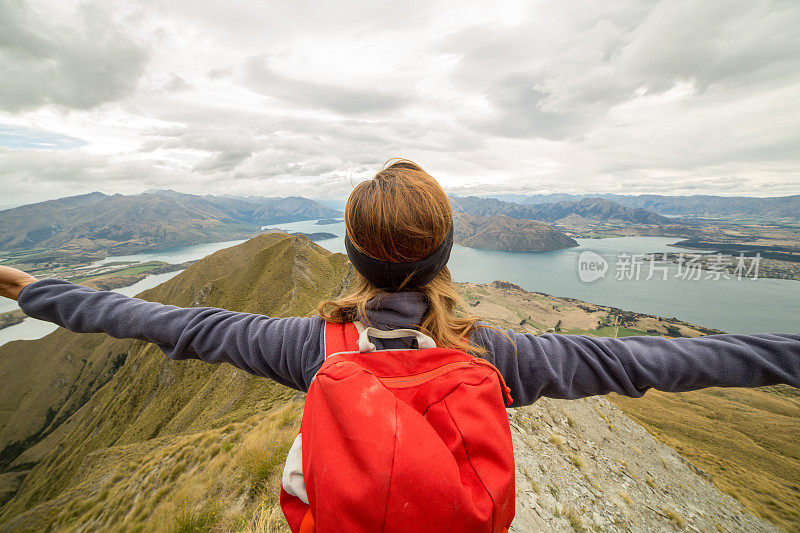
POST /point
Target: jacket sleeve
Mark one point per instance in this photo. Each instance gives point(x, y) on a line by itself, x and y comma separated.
point(575, 366)
point(283, 349)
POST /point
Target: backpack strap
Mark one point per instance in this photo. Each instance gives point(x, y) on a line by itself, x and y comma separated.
point(340, 337)
point(423, 341)
point(354, 337)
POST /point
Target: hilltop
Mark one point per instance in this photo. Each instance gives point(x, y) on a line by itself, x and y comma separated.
point(505, 233)
point(85, 412)
point(108, 434)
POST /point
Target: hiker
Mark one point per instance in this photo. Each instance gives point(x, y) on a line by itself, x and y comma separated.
point(399, 233)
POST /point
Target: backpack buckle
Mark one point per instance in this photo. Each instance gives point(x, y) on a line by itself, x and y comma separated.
point(364, 332)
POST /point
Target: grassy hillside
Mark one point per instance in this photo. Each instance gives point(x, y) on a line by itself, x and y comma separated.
point(747, 440)
point(158, 444)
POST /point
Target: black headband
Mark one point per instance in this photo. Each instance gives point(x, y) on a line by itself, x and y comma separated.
point(388, 276)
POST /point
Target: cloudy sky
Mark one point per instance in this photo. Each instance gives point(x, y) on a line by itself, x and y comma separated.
point(301, 97)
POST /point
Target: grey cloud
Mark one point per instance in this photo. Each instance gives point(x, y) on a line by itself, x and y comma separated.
point(228, 149)
point(719, 43)
point(219, 73)
point(557, 83)
point(176, 84)
point(208, 137)
point(520, 111)
point(73, 168)
point(80, 64)
point(558, 99)
point(223, 161)
point(259, 76)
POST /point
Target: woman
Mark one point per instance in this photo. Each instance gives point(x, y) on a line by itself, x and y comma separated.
point(399, 234)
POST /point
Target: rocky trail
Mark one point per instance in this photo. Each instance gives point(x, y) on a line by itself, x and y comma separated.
point(583, 465)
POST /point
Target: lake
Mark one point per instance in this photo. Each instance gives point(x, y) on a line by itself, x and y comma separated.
point(736, 306)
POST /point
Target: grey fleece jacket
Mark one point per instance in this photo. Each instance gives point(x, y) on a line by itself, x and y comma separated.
point(290, 350)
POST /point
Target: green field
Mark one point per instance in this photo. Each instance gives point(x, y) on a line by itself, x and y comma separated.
point(130, 271)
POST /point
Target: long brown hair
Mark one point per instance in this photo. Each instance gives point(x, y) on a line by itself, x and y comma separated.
point(403, 215)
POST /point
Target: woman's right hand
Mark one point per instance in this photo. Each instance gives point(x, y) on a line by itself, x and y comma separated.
point(13, 280)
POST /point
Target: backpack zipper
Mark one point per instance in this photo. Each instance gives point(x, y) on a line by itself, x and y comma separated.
point(506, 388)
point(413, 379)
point(436, 372)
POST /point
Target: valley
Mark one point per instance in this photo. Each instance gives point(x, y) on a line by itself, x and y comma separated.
point(105, 433)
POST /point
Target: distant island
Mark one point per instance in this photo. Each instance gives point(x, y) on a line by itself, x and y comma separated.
point(508, 234)
point(327, 221)
point(725, 265)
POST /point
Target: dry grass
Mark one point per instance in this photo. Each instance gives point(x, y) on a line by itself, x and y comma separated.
point(577, 461)
point(262, 454)
point(266, 519)
point(748, 440)
point(676, 519)
point(574, 518)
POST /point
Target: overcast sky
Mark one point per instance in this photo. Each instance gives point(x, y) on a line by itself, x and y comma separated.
point(299, 97)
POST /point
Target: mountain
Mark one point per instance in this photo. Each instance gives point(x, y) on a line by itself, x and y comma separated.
point(110, 433)
point(122, 224)
point(689, 206)
point(505, 233)
point(591, 208)
point(103, 434)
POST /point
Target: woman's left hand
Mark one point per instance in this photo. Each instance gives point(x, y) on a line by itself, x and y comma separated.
point(13, 280)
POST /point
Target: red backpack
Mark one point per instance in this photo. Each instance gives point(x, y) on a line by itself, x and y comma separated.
point(400, 440)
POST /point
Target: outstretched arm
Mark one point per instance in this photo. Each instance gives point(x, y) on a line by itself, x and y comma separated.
point(574, 366)
point(283, 349)
point(12, 281)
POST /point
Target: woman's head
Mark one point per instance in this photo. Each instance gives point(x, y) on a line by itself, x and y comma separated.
point(399, 227)
point(403, 215)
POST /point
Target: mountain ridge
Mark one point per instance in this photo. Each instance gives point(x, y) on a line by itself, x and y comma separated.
point(699, 205)
point(97, 223)
point(593, 208)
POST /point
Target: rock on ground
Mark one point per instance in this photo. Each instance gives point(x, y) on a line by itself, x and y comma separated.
point(582, 465)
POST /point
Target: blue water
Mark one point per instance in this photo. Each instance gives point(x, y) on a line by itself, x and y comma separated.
point(178, 254)
point(736, 306)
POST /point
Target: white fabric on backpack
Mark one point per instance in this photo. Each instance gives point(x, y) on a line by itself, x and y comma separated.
point(292, 479)
point(423, 341)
